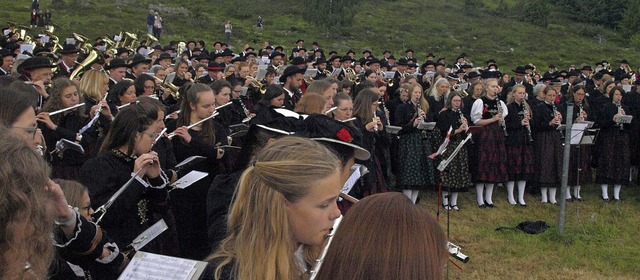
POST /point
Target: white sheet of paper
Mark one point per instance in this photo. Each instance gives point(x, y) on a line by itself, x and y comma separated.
point(393, 129)
point(187, 160)
point(158, 267)
point(353, 179)
point(70, 41)
point(190, 178)
point(310, 73)
point(151, 233)
point(577, 130)
point(26, 48)
point(427, 125)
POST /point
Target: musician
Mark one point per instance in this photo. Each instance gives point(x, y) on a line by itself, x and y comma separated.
point(187, 205)
point(547, 145)
point(416, 170)
point(276, 60)
point(37, 71)
point(398, 77)
point(325, 89)
point(632, 101)
point(214, 71)
point(572, 78)
point(66, 125)
point(7, 62)
point(580, 154)
point(344, 104)
point(67, 64)
point(335, 63)
point(489, 112)
point(289, 206)
point(145, 85)
point(181, 74)
point(117, 70)
point(125, 151)
point(438, 93)
point(518, 79)
point(292, 78)
point(520, 159)
point(614, 160)
point(395, 216)
point(622, 70)
point(456, 177)
point(139, 65)
point(120, 95)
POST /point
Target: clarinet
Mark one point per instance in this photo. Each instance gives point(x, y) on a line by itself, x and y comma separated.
point(525, 114)
point(502, 122)
point(620, 124)
point(246, 111)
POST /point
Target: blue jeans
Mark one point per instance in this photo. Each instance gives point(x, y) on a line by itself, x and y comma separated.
point(150, 29)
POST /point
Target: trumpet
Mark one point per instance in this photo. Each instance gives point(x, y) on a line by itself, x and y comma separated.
point(257, 84)
point(171, 88)
point(460, 90)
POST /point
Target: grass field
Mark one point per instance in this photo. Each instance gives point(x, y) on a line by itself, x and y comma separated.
point(600, 238)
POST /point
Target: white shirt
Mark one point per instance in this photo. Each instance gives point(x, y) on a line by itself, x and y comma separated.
point(478, 107)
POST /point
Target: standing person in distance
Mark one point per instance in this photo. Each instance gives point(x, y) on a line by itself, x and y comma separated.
point(518, 144)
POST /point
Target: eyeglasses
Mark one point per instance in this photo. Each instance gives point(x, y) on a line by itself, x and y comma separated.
point(152, 135)
point(29, 130)
point(150, 87)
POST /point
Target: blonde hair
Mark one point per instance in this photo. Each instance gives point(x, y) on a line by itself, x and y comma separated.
point(259, 239)
point(511, 99)
point(424, 104)
point(311, 103)
point(25, 224)
point(92, 82)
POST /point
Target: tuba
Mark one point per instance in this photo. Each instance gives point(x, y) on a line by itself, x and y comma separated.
point(92, 57)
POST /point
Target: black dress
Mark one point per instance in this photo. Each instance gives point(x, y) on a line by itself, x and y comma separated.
point(519, 148)
point(416, 170)
point(547, 147)
point(614, 157)
point(492, 154)
point(456, 176)
point(580, 155)
point(130, 213)
point(189, 205)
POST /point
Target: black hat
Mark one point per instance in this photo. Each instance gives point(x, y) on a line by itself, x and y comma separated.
point(138, 59)
point(279, 120)
point(297, 61)
point(466, 66)
point(586, 67)
point(472, 75)
point(115, 63)
point(315, 43)
point(168, 48)
point(325, 129)
point(346, 58)
point(214, 66)
point(290, 71)
point(334, 57)
point(5, 52)
point(552, 66)
point(598, 76)
point(520, 70)
point(269, 47)
point(226, 52)
point(573, 73)
point(38, 50)
point(366, 51)
point(157, 47)
point(120, 51)
point(403, 61)
point(239, 59)
point(274, 54)
point(36, 62)
point(624, 61)
point(386, 51)
point(349, 52)
point(299, 40)
point(430, 54)
point(427, 63)
point(487, 74)
point(280, 48)
point(164, 56)
point(528, 67)
point(391, 57)
point(409, 50)
point(249, 48)
point(460, 71)
point(452, 76)
point(69, 49)
point(373, 61)
point(320, 61)
point(547, 77)
point(297, 49)
point(202, 56)
point(599, 63)
point(249, 53)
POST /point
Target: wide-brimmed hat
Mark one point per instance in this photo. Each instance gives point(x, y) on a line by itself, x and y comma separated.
point(116, 63)
point(36, 62)
point(290, 71)
point(138, 59)
point(69, 49)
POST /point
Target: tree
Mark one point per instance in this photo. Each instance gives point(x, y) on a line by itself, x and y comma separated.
point(536, 12)
point(630, 23)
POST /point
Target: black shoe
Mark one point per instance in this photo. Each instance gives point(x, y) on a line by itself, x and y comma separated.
point(605, 199)
point(455, 207)
point(446, 207)
point(570, 199)
point(616, 200)
point(482, 206)
point(579, 199)
point(522, 204)
point(490, 205)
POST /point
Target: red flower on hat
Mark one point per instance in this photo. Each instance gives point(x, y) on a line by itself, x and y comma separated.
point(344, 135)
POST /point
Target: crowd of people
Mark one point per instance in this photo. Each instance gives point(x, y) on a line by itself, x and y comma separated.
point(279, 137)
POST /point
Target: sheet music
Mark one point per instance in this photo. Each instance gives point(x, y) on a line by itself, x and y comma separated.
point(150, 266)
point(262, 71)
point(26, 48)
point(353, 178)
point(577, 130)
point(393, 129)
point(189, 179)
point(151, 233)
point(73, 145)
point(627, 88)
point(427, 125)
point(310, 73)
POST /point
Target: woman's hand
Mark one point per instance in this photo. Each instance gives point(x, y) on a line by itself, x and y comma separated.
point(183, 133)
point(44, 118)
point(149, 164)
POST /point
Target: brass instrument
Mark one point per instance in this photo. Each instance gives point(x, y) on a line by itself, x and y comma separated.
point(384, 78)
point(460, 90)
point(351, 75)
point(54, 40)
point(80, 68)
point(257, 84)
point(133, 40)
point(171, 88)
point(152, 40)
point(82, 42)
point(181, 47)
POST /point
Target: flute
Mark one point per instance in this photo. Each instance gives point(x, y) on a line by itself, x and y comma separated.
point(172, 134)
point(331, 110)
point(318, 264)
point(66, 109)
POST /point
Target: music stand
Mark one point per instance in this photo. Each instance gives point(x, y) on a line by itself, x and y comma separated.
point(582, 134)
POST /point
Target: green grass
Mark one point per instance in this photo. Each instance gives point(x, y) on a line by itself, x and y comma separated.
point(599, 241)
point(445, 27)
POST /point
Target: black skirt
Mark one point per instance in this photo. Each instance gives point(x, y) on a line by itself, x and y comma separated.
point(416, 170)
point(614, 159)
point(492, 155)
point(548, 158)
point(520, 162)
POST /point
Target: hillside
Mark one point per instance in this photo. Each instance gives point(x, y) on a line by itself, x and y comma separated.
point(444, 27)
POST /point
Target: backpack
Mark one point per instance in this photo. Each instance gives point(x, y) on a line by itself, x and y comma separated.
point(529, 227)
